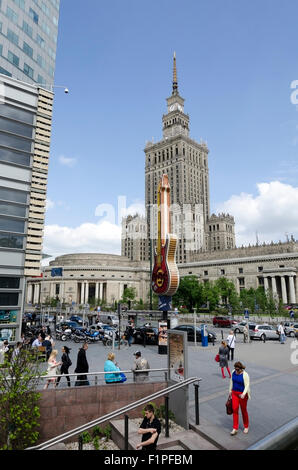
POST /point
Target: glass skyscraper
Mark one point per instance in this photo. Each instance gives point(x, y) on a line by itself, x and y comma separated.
point(28, 39)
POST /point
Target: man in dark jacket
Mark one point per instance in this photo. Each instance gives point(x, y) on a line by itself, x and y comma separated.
point(82, 366)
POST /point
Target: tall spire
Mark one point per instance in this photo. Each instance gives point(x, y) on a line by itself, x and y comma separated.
point(175, 81)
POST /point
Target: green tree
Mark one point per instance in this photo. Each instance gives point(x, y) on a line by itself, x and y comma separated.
point(129, 295)
point(19, 401)
point(210, 295)
point(189, 293)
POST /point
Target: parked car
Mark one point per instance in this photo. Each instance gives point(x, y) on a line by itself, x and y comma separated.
point(224, 322)
point(191, 333)
point(109, 319)
point(291, 329)
point(262, 332)
point(150, 332)
point(76, 318)
point(69, 324)
point(238, 328)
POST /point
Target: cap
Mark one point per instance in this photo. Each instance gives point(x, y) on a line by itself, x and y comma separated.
point(137, 353)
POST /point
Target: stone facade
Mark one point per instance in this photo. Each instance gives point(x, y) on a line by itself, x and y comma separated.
point(104, 277)
point(185, 161)
point(89, 276)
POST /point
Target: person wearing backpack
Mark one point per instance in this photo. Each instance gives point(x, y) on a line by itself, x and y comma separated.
point(141, 364)
point(66, 363)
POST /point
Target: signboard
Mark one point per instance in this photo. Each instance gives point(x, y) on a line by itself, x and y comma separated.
point(177, 355)
point(162, 333)
point(164, 303)
point(56, 272)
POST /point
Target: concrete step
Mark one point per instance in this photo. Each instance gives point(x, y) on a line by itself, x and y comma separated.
point(183, 440)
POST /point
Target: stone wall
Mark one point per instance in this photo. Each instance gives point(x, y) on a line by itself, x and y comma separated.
point(65, 409)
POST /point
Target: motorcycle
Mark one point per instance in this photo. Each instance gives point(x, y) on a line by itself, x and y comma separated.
point(66, 334)
point(92, 337)
point(79, 336)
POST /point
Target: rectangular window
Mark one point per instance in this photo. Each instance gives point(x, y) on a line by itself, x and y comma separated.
point(9, 298)
point(4, 71)
point(20, 3)
point(12, 15)
point(28, 71)
point(7, 194)
point(16, 113)
point(222, 272)
point(13, 37)
point(12, 225)
point(9, 282)
point(240, 270)
point(28, 50)
point(10, 240)
point(33, 15)
point(16, 127)
point(13, 58)
point(14, 157)
point(27, 29)
point(40, 41)
point(15, 142)
point(11, 209)
point(8, 316)
point(241, 281)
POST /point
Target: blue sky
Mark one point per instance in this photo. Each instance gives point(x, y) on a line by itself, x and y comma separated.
point(236, 61)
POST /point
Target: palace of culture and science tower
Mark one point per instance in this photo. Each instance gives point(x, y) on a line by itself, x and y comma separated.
point(185, 161)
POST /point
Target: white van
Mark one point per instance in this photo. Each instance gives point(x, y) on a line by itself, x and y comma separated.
point(109, 319)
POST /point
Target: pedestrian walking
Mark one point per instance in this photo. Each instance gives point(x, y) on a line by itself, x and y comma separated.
point(66, 363)
point(231, 340)
point(48, 345)
point(52, 368)
point(129, 334)
point(82, 366)
point(281, 332)
point(150, 430)
point(239, 391)
point(140, 364)
point(245, 334)
point(111, 366)
point(223, 358)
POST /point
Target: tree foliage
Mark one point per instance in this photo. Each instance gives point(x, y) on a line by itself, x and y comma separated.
point(19, 401)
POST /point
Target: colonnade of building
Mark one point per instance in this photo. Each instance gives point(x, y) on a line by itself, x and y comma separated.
point(282, 286)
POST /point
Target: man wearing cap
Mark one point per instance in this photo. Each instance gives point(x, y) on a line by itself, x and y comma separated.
point(141, 364)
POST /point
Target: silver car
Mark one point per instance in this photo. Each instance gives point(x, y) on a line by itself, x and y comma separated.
point(263, 332)
point(238, 328)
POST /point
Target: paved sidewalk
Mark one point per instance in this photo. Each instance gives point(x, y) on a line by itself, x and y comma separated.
point(273, 370)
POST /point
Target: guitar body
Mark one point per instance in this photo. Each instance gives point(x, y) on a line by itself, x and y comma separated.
point(165, 274)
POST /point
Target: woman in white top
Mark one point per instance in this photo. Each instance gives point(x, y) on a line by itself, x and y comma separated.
point(231, 340)
point(52, 368)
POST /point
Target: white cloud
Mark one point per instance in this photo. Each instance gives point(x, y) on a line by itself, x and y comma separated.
point(65, 161)
point(49, 204)
point(272, 213)
point(86, 238)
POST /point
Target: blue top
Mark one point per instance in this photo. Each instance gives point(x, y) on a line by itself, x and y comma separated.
point(110, 367)
point(238, 382)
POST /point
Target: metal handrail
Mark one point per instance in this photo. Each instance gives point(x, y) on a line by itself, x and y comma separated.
point(77, 374)
point(114, 414)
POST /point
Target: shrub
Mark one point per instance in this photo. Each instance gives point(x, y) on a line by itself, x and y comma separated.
point(19, 401)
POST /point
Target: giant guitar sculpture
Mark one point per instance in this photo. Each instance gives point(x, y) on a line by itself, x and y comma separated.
point(165, 274)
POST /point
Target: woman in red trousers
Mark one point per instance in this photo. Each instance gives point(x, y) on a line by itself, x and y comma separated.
point(240, 393)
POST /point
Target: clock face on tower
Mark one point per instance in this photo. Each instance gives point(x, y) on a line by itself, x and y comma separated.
point(175, 106)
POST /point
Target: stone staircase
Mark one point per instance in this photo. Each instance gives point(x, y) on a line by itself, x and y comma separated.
point(182, 440)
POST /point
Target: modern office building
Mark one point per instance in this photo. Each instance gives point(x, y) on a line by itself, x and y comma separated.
point(28, 39)
point(25, 130)
point(28, 42)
